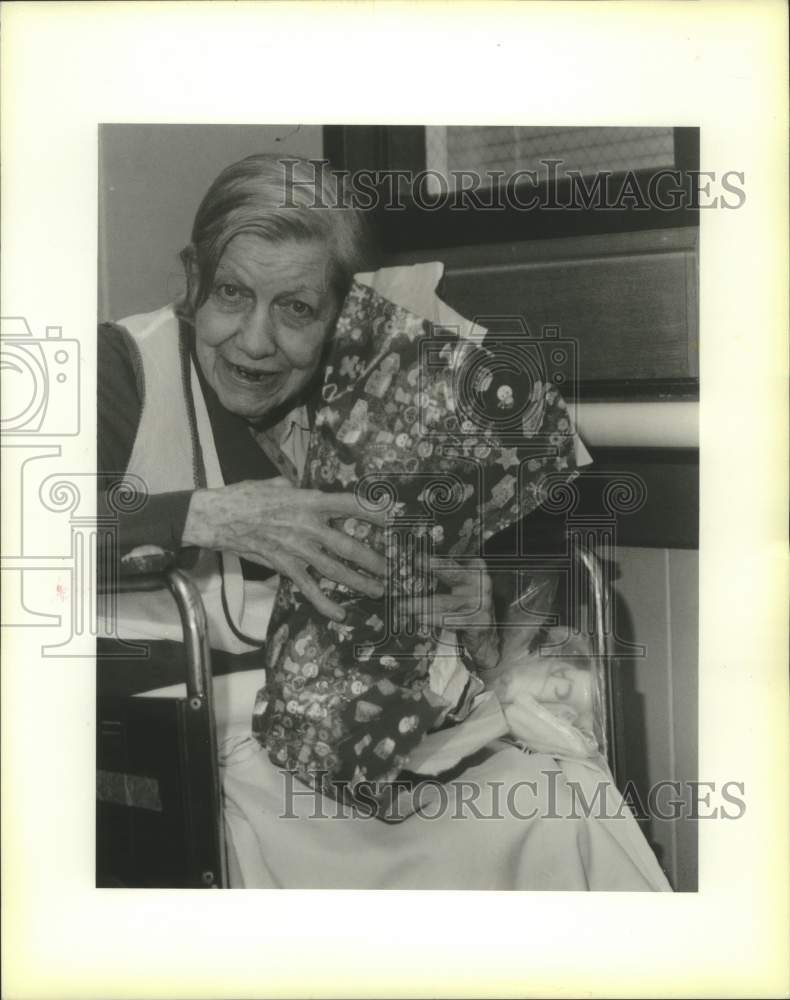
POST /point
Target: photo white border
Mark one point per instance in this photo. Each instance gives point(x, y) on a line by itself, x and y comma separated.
point(720, 65)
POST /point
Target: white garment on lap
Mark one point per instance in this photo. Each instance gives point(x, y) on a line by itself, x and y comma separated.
point(297, 841)
point(443, 853)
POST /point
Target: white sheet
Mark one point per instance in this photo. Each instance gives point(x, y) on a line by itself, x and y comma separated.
point(277, 837)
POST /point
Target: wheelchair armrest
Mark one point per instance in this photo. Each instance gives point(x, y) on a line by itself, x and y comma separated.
point(150, 567)
point(146, 559)
point(145, 568)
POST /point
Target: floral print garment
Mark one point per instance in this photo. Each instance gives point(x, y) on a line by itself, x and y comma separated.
point(440, 434)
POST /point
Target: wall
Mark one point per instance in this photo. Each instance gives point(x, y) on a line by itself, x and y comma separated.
point(151, 180)
point(656, 605)
point(627, 300)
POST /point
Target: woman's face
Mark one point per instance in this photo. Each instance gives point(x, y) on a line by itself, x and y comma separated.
point(261, 332)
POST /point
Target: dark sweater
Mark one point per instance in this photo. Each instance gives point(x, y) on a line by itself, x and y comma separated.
point(161, 519)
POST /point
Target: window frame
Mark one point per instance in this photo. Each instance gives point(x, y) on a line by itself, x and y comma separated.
point(402, 147)
point(413, 233)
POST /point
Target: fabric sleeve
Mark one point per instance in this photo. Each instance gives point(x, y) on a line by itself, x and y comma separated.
point(161, 517)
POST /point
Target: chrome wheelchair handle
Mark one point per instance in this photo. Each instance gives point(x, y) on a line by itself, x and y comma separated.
point(195, 632)
point(601, 660)
point(200, 692)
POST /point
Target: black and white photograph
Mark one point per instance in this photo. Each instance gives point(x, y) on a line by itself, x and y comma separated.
point(394, 506)
point(412, 445)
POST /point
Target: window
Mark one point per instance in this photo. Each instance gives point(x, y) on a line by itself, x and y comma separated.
point(647, 173)
point(452, 148)
point(590, 231)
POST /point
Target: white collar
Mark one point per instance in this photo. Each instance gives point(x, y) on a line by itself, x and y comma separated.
point(296, 419)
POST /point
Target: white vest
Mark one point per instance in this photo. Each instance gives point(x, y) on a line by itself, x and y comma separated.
point(170, 438)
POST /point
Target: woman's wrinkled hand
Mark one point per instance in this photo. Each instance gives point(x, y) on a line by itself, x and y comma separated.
point(289, 530)
point(464, 603)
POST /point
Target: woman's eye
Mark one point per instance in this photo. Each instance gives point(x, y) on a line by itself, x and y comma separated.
point(299, 309)
point(228, 293)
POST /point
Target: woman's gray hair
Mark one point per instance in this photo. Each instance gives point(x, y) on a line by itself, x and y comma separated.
point(277, 198)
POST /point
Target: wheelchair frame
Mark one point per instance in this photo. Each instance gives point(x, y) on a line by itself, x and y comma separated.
point(159, 799)
point(184, 800)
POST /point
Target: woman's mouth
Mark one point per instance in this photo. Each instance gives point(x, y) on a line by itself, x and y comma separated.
point(251, 376)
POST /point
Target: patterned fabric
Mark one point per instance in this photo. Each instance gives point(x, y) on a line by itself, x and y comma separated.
point(421, 424)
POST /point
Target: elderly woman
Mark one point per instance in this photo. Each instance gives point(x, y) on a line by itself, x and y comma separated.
point(205, 406)
point(205, 412)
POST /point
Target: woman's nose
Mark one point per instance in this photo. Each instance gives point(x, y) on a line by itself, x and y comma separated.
point(257, 334)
